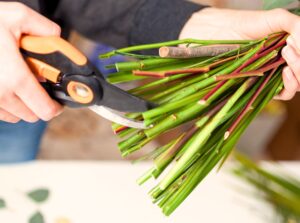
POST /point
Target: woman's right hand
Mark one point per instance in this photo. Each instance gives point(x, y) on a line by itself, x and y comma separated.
point(21, 95)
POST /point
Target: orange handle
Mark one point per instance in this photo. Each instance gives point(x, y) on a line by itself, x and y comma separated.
point(42, 69)
point(63, 65)
point(51, 44)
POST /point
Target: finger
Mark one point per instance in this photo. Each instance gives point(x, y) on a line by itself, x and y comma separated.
point(36, 98)
point(289, 80)
point(16, 107)
point(285, 95)
point(291, 85)
point(7, 117)
point(292, 59)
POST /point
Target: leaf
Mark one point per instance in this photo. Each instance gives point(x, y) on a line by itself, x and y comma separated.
point(37, 217)
point(39, 195)
point(271, 4)
point(2, 204)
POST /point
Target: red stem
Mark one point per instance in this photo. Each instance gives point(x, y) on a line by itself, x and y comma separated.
point(274, 38)
point(120, 129)
point(170, 72)
point(248, 105)
point(262, 52)
point(182, 71)
point(276, 46)
point(251, 60)
point(238, 75)
point(214, 64)
point(269, 66)
point(236, 72)
point(258, 72)
point(211, 92)
point(189, 70)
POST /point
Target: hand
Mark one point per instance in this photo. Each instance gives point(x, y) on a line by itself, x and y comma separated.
point(212, 23)
point(21, 95)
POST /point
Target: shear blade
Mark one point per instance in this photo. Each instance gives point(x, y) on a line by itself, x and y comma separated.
point(119, 100)
point(116, 117)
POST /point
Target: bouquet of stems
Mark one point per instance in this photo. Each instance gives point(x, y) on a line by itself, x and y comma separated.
point(207, 92)
point(280, 190)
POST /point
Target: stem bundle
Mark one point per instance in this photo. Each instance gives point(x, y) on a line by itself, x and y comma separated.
point(217, 96)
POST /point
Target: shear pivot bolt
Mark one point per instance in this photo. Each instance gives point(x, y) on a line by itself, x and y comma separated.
point(82, 91)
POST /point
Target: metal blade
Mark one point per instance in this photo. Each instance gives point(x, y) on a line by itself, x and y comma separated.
point(116, 117)
point(118, 99)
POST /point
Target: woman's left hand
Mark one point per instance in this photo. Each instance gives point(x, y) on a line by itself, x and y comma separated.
point(213, 23)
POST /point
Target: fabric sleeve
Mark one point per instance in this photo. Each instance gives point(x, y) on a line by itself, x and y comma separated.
point(121, 23)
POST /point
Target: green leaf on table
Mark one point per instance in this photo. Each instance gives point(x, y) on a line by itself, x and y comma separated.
point(2, 203)
point(37, 217)
point(39, 195)
point(271, 4)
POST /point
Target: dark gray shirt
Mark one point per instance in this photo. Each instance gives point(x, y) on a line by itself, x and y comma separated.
point(119, 22)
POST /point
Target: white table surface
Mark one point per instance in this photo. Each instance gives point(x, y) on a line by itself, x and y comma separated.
point(96, 192)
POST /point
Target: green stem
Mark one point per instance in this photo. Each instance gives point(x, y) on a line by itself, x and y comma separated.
point(125, 144)
point(202, 137)
point(143, 64)
point(184, 115)
point(173, 105)
point(173, 43)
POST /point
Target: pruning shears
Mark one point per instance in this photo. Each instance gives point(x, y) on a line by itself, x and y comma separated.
point(72, 80)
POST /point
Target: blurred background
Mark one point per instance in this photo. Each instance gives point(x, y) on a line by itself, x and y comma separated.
point(80, 134)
